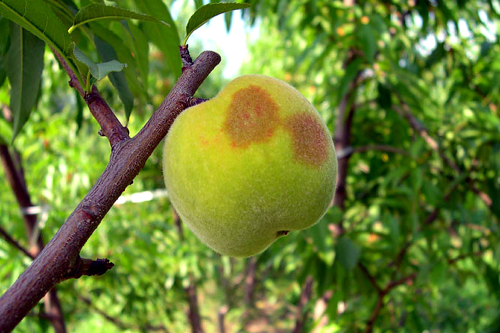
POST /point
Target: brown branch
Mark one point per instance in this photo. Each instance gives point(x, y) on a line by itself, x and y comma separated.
point(250, 280)
point(110, 125)
point(301, 314)
point(22, 196)
point(14, 243)
point(370, 277)
point(191, 295)
point(17, 182)
point(380, 300)
point(342, 136)
point(127, 159)
point(347, 152)
point(406, 113)
point(193, 311)
point(220, 318)
point(118, 322)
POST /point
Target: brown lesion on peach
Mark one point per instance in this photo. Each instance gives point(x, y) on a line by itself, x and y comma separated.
point(252, 117)
point(309, 140)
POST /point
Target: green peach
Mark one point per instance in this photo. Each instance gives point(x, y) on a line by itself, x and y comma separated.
point(249, 165)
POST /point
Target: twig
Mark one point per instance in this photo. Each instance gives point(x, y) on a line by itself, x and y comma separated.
point(406, 113)
point(17, 182)
point(301, 314)
point(193, 311)
point(127, 159)
point(220, 318)
point(370, 277)
point(380, 300)
point(347, 152)
point(118, 322)
point(110, 125)
point(343, 136)
point(14, 243)
point(191, 295)
point(22, 196)
point(250, 280)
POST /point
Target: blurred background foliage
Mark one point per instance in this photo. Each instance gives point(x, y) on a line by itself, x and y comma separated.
point(409, 90)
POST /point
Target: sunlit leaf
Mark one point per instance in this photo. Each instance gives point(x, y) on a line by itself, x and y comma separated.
point(205, 13)
point(166, 39)
point(96, 12)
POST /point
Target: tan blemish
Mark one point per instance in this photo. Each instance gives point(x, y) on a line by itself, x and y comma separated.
point(309, 140)
point(252, 116)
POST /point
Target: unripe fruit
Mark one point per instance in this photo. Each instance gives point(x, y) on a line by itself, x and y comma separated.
point(249, 165)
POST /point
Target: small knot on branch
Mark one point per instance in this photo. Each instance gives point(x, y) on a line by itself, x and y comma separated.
point(90, 267)
point(186, 59)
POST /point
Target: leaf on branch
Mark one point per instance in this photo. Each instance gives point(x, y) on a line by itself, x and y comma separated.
point(24, 65)
point(102, 12)
point(205, 13)
point(118, 80)
point(166, 39)
point(100, 70)
point(37, 17)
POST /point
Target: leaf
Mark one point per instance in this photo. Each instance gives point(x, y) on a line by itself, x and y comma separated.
point(24, 65)
point(167, 40)
point(138, 43)
point(97, 11)
point(39, 19)
point(205, 13)
point(348, 253)
point(107, 53)
point(100, 70)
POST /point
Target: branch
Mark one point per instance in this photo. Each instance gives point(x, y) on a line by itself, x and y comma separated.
point(193, 311)
point(220, 318)
point(380, 300)
point(406, 113)
point(301, 312)
point(17, 185)
point(370, 277)
point(14, 243)
point(127, 159)
point(118, 322)
point(110, 125)
point(17, 182)
point(343, 136)
point(348, 151)
point(250, 281)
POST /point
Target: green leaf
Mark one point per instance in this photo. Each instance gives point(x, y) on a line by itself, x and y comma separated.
point(138, 43)
point(347, 253)
point(101, 12)
point(166, 39)
point(205, 13)
point(24, 64)
point(100, 70)
point(107, 53)
point(38, 18)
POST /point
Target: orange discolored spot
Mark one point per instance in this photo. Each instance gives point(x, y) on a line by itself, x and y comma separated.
point(251, 117)
point(310, 142)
